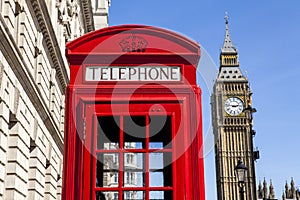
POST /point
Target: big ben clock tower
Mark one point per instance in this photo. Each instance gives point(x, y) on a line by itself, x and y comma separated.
point(232, 118)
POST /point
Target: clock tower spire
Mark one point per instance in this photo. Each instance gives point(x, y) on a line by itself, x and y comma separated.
point(232, 119)
point(229, 61)
point(228, 46)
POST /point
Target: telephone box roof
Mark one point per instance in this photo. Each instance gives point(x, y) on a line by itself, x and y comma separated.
point(132, 39)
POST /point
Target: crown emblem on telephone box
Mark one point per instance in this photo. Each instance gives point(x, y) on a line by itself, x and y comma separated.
point(133, 44)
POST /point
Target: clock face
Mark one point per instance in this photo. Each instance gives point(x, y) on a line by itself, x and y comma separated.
point(234, 106)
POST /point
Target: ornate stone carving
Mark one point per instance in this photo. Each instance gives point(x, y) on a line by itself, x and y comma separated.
point(74, 8)
point(64, 11)
point(19, 8)
point(68, 12)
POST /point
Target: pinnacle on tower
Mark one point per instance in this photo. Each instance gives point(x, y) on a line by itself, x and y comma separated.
point(229, 54)
point(271, 191)
point(283, 195)
point(265, 189)
point(292, 183)
point(228, 46)
point(286, 185)
point(293, 189)
point(260, 190)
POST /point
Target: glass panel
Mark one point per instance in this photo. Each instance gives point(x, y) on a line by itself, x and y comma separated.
point(156, 179)
point(160, 169)
point(160, 132)
point(134, 132)
point(159, 160)
point(134, 168)
point(108, 132)
point(134, 195)
point(156, 145)
point(107, 171)
point(110, 195)
point(161, 195)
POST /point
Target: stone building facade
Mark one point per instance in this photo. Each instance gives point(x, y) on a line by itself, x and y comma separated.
point(33, 77)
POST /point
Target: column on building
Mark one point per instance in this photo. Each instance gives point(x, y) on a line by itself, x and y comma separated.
point(100, 13)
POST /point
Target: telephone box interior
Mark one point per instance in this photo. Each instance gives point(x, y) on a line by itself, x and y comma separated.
point(133, 116)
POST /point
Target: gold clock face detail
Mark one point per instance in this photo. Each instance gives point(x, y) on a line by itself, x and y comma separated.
point(234, 106)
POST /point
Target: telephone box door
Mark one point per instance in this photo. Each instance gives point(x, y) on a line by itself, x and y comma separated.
point(133, 151)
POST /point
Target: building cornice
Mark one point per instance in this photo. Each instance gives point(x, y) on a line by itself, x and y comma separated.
point(87, 13)
point(41, 11)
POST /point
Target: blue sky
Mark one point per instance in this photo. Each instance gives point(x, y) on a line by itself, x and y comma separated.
point(266, 34)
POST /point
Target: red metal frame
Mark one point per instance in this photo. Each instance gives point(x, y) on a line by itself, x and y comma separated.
point(85, 100)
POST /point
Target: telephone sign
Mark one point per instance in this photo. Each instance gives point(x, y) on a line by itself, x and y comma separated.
point(132, 73)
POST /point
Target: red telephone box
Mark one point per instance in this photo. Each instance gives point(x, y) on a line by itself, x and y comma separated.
point(133, 117)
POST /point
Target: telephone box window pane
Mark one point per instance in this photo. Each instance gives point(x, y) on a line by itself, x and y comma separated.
point(156, 145)
point(108, 132)
point(134, 170)
point(161, 195)
point(160, 132)
point(156, 179)
point(160, 169)
point(134, 195)
point(134, 179)
point(159, 160)
point(107, 170)
point(134, 132)
point(110, 195)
